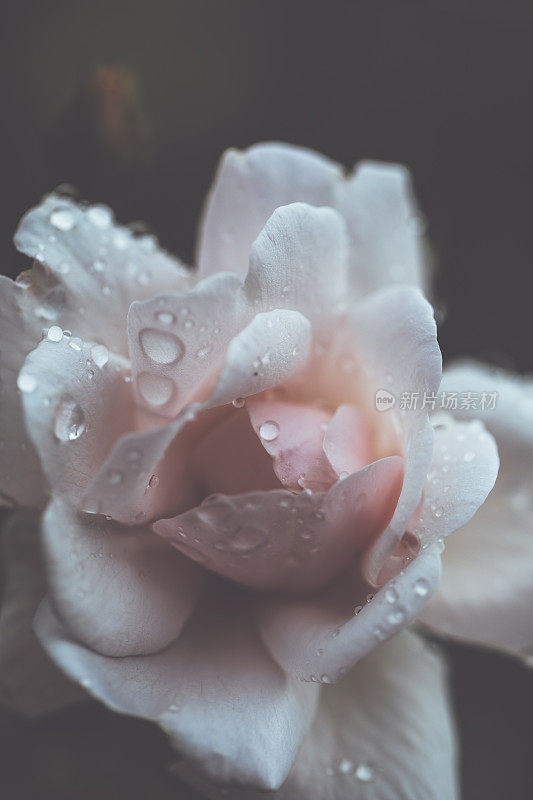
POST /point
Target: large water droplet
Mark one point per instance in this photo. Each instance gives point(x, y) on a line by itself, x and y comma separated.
point(155, 389)
point(63, 219)
point(27, 383)
point(239, 402)
point(165, 317)
point(364, 773)
point(101, 216)
point(161, 347)
point(269, 430)
point(100, 355)
point(69, 419)
point(247, 539)
point(55, 334)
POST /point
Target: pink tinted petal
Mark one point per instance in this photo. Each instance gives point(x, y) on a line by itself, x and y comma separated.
point(226, 706)
point(116, 589)
point(229, 458)
point(291, 433)
point(346, 448)
point(283, 541)
point(177, 342)
point(30, 682)
point(271, 349)
point(395, 334)
point(322, 638)
point(93, 269)
point(385, 228)
point(21, 478)
point(76, 404)
point(385, 733)
point(300, 261)
point(248, 187)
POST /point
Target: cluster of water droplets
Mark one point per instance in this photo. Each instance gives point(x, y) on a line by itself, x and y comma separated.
point(363, 772)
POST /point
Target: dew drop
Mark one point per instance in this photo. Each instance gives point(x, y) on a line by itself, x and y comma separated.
point(161, 347)
point(100, 355)
point(364, 773)
point(62, 219)
point(27, 383)
point(239, 402)
point(391, 595)
point(247, 539)
point(269, 430)
point(69, 420)
point(100, 216)
point(55, 334)
point(421, 587)
point(114, 477)
point(346, 767)
point(153, 483)
point(155, 389)
point(469, 456)
point(165, 317)
point(325, 678)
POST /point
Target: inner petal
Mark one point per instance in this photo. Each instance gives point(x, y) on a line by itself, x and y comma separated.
point(291, 433)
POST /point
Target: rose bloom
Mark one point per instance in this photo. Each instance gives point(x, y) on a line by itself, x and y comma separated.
point(234, 528)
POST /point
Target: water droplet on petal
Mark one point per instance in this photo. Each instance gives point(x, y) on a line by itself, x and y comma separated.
point(62, 219)
point(100, 216)
point(364, 773)
point(153, 483)
point(421, 587)
point(165, 317)
point(391, 595)
point(247, 539)
point(100, 355)
point(155, 389)
point(27, 383)
point(69, 420)
point(346, 767)
point(469, 456)
point(161, 347)
point(114, 477)
point(55, 333)
point(269, 430)
point(325, 678)
point(239, 402)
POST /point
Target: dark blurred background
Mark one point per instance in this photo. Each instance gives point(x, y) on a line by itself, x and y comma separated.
point(133, 102)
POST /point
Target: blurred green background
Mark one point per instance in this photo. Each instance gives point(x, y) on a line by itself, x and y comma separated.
point(133, 102)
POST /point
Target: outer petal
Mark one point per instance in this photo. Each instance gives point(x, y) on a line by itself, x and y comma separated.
point(486, 594)
point(21, 478)
point(385, 733)
point(118, 590)
point(177, 342)
point(93, 269)
point(248, 187)
point(321, 638)
point(76, 404)
point(225, 704)
point(29, 681)
point(280, 540)
point(397, 343)
point(300, 261)
point(270, 350)
point(384, 227)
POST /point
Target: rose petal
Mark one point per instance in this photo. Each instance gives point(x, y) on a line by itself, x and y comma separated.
point(271, 349)
point(229, 459)
point(346, 448)
point(29, 681)
point(486, 592)
point(177, 342)
point(385, 228)
point(278, 540)
point(385, 732)
point(116, 589)
point(225, 704)
point(93, 269)
point(291, 433)
point(21, 478)
point(300, 261)
point(321, 638)
point(76, 404)
point(397, 344)
point(248, 187)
